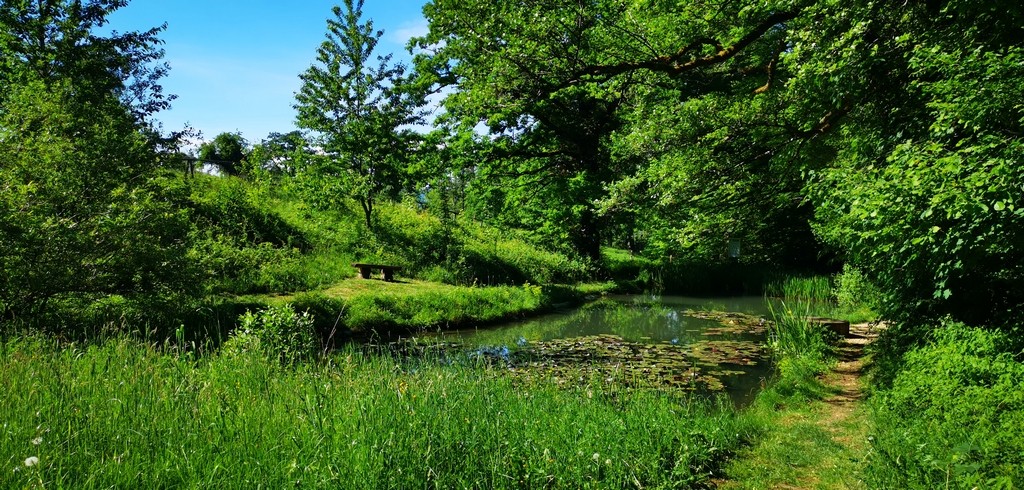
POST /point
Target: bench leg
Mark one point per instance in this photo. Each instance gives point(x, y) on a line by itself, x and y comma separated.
point(365, 272)
point(388, 274)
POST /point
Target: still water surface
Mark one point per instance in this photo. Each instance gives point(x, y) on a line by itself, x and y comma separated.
point(724, 347)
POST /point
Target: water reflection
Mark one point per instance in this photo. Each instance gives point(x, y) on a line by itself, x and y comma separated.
point(634, 318)
point(673, 342)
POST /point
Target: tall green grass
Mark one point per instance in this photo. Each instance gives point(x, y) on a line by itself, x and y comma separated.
point(125, 415)
point(848, 295)
point(800, 348)
point(811, 288)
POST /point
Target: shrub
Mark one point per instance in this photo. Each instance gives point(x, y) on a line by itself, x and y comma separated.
point(954, 415)
point(278, 332)
point(853, 290)
point(327, 314)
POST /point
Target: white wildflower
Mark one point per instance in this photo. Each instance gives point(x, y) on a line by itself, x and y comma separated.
point(31, 461)
point(37, 441)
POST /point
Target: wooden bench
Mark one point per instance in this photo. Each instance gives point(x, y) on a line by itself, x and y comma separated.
point(387, 271)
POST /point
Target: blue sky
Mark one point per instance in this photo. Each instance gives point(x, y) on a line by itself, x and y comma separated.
point(235, 65)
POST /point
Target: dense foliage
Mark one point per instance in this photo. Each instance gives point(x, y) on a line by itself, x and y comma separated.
point(783, 134)
point(793, 133)
point(84, 214)
point(954, 413)
point(924, 192)
point(687, 146)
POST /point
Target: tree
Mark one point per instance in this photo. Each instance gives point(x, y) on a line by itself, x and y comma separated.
point(556, 81)
point(890, 133)
point(226, 151)
point(84, 214)
point(924, 190)
point(278, 152)
point(54, 40)
point(358, 111)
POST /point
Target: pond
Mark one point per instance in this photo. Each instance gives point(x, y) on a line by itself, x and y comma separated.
point(640, 342)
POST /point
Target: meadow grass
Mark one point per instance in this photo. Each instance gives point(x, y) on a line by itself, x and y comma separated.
point(128, 415)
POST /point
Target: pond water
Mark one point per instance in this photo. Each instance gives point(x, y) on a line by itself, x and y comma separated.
point(660, 342)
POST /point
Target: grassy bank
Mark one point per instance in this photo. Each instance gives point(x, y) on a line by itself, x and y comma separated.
point(123, 414)
point(120, 413)
point(251, 242)
point(371, 307)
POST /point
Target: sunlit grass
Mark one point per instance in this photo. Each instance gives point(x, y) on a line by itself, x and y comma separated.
point(125, 415)
point(374, 305)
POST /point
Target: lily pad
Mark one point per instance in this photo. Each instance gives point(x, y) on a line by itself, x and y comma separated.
point(738, 352)
point(732, 323)
point(615, 360)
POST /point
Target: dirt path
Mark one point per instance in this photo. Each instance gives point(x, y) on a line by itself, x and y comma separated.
point(846, 383)
point(846, 378)
point(818, 445)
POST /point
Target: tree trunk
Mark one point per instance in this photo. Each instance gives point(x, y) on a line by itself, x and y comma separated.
point(588, 242)
point(367, 204)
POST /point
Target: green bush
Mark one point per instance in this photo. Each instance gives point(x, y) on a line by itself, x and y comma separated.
point(278, 332)
point(853, 291)
point(954, 415)
point(327, 313)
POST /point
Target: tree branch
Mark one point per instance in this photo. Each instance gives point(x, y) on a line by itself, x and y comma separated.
point(674, 64)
